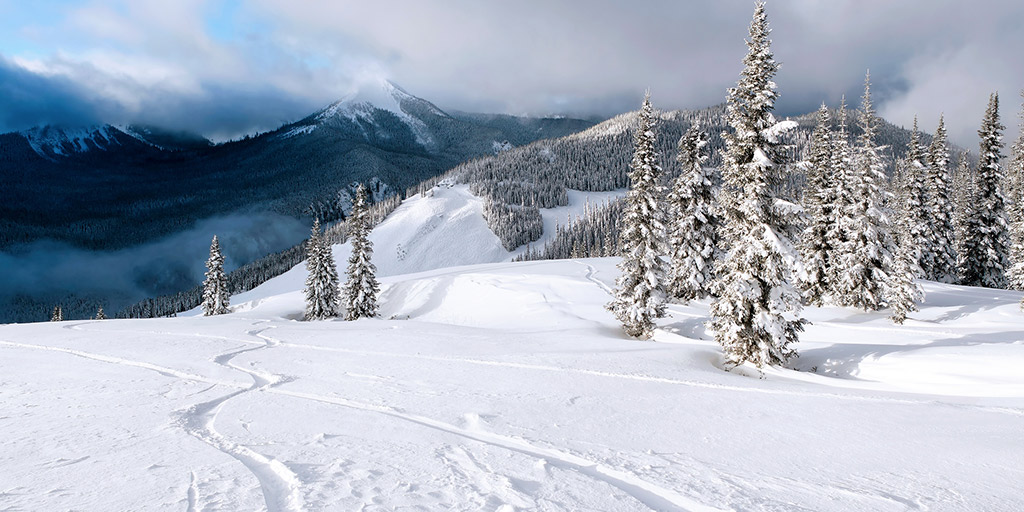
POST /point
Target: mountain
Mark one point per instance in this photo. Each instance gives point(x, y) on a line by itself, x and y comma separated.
point(119, 189)
point(91, 177)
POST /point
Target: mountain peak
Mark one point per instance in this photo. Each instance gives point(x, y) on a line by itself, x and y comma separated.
point(379, 94)
point(51, 141)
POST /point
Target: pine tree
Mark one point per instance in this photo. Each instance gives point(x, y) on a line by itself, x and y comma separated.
point(941, 236)
point(986, 261)
point(58, 314)
point(756, 315)
point(1015, 179)
point(640, 290)
point(963, 195)
point(913, 201)
point(100, 315)
point(816, 247)
point(840, 197)
point(215, 287)
point(360, 292)
point(903, 292)
point(322, 295)
point(694, 228)
point(865, 255)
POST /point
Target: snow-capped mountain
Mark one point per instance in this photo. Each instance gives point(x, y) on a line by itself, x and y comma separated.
point(369, 108)
point(56, 142)
point(53, 141)
point(117, 187)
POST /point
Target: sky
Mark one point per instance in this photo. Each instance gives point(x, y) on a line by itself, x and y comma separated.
point(224, 68)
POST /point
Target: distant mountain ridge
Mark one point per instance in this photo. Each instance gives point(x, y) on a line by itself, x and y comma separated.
point(113, 188)
point(89, 176)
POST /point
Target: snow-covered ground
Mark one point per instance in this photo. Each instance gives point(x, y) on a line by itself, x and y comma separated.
point(507, 386)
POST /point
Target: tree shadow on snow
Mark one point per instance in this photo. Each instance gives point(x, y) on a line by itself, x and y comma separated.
point(843, 360)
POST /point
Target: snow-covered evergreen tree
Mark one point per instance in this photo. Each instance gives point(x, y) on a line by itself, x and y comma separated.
point(913, 200)
point(100, 315)
point(693, 237)
point(816, 247)
point(322, 294)
point(756, 315)
point(903, 292)
point(987, 243)
point(215, 287)
point(1015, 207)
point(640, 290)
point(865, 255)
point(360, 292)
point(941, 252)
point(57, 315)
point(839, 196)
point(963, 195)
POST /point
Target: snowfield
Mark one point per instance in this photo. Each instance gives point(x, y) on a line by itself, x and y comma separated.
point(507, 386)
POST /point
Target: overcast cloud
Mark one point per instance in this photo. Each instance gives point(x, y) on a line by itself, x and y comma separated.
point(226, 67)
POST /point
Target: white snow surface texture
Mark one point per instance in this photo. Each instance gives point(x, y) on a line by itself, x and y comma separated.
point(507, 386)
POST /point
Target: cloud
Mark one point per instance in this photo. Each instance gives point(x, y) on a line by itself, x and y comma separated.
point(191, 64)
point(48, 268)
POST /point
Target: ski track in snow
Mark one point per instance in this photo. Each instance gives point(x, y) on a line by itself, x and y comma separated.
point(192, 495)
point(651, 495)
point(591, 271)
point(280, 485)
point(651, 378)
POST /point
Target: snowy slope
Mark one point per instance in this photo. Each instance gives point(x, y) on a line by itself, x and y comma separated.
point(445, 228)
point(507, 386)
point(489, 385)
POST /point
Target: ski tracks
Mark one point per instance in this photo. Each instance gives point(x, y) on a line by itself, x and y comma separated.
point(591, 271)
point(279, 484)
point(651, 495)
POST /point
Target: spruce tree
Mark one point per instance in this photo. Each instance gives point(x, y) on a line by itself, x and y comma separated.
point(913, 201)
point(100, 315)
point(361, 288)
point(694, 228)
point(865, 255)
point(941, 252)
point(903, 292)
point(963, 197)
point(756, 315)
point(215, 287)
point(322, 295)
point(57, 315)
point(640, 290)
point(1015, 180)
point(816, 247)
point(840, 197)
point(986, 261)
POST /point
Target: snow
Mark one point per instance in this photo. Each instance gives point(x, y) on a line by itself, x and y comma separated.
point(364, 99)
point(506, 386)
point(445, 228)
point(50, 141)
point(299, 130)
